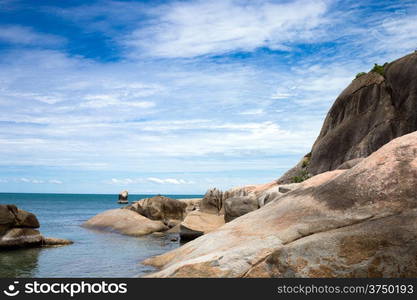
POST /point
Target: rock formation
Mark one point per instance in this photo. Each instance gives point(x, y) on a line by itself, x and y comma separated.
point(163, 208)
point(370, 112)
point(19, 228)
point(150, 215)
point(123, 197)
point(359, 222)
point(124, 221)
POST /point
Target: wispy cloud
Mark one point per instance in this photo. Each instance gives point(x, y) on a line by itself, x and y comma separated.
point(189, 29)
point(154, 180)
point(36, 181)
point(22, 35)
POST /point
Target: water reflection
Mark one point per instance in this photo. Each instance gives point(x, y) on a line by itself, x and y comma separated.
point(19, 263)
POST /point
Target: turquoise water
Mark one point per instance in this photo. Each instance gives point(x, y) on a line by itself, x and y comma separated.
point(94, 253)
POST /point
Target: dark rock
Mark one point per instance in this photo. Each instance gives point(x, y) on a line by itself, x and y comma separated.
point(163, 208)
point(123, 197)
point(26, 219)
point(238, 206)
point(11, 216)
point(369, 113)
point(7, 217)
point(17, 229)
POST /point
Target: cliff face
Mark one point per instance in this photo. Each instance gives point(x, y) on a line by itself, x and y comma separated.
point(370, 112)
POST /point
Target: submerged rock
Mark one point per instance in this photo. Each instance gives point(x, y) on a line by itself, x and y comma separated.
point(359, 222)
point(47, 241)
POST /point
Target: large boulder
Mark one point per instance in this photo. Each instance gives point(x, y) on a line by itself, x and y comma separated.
point(8, 214)
point(26, 219)
point(11, 216)
point(124, 221)
point(197, 223)
point(212, 201)
point(235, 207)
point(370, 112)
point(163, 208)
point(356, 222)
point(18, 229)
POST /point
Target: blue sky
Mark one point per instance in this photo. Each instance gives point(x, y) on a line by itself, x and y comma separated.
point(177, 96)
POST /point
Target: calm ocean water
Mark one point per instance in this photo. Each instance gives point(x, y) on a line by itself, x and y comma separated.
point(93, 254)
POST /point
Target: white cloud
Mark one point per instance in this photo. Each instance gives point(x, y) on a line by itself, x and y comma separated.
point(128, 181)
point(101, 101)
point(278, 95)
point(30, 180)
point(21, 35)
point(55, 181)
point(33, 180)
point(168, 180)
point(258, 111)
point(188, 29)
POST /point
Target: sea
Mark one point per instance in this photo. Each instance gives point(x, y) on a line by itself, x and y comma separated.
point(94, 253)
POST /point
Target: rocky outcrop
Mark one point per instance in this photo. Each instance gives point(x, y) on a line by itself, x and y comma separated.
point(163, 208)
point(151, 215)
point(344, 223)
point(124, 221)
point(123, 197)
point(19, 229)
point(370, 112)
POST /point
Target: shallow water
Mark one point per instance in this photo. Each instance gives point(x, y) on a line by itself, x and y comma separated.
point(93, 254)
